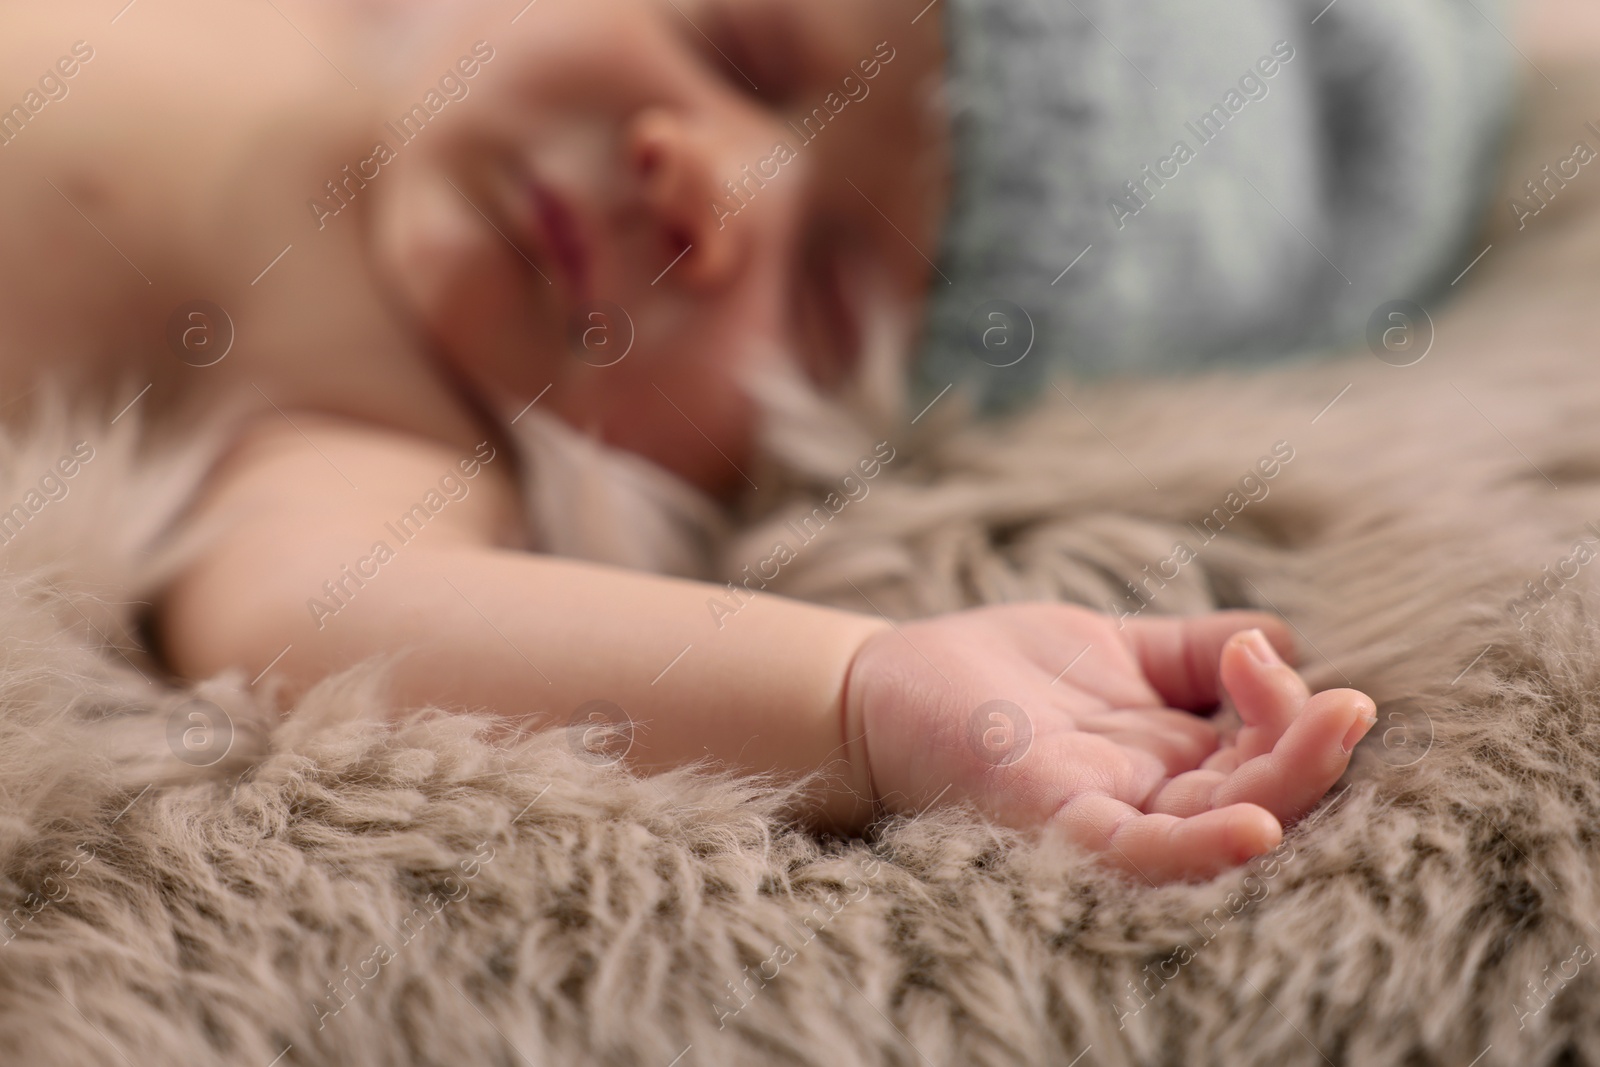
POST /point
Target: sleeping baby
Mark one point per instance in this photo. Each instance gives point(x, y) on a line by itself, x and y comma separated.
point(387, 232)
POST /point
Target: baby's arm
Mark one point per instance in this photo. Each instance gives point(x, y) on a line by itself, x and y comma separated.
point(485, 626)
point(1040, 714)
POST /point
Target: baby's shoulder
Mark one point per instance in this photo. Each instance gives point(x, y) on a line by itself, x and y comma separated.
point(301, 463)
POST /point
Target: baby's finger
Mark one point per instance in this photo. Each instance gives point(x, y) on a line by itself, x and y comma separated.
point(1179, 656)
point(1266, 691)
point(1186, 794)
point(1180, 740)
point(1307, 760)
point(1164, 848)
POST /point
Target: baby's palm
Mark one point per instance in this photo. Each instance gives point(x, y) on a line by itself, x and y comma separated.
point(1051, 714)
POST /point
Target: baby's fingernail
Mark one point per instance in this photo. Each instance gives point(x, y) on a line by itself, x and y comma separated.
point(1260, 649)
point(1358, 730)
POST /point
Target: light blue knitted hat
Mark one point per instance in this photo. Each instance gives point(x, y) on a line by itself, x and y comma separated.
point(1159, 185)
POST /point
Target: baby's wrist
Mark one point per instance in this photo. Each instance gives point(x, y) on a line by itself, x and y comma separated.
point(778, 673)
point(852, 801)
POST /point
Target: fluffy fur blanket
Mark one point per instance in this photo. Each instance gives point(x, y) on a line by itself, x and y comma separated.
point(190, 878)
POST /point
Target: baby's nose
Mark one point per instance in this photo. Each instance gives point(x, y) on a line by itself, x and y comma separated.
point(682, 170)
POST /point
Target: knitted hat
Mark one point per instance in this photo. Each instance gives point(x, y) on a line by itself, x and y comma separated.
point(1159, 186)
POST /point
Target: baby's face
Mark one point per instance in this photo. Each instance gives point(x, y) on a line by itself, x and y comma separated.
point(641, 199)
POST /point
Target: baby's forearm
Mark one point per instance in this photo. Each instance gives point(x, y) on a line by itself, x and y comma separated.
point(539, 637)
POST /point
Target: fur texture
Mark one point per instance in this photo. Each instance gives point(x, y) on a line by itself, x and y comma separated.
point(342, 890)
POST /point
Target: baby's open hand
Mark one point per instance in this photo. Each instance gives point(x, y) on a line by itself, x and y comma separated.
point(1048, 714)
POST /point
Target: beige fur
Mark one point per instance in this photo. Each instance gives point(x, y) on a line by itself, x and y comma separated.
point(542, 907)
